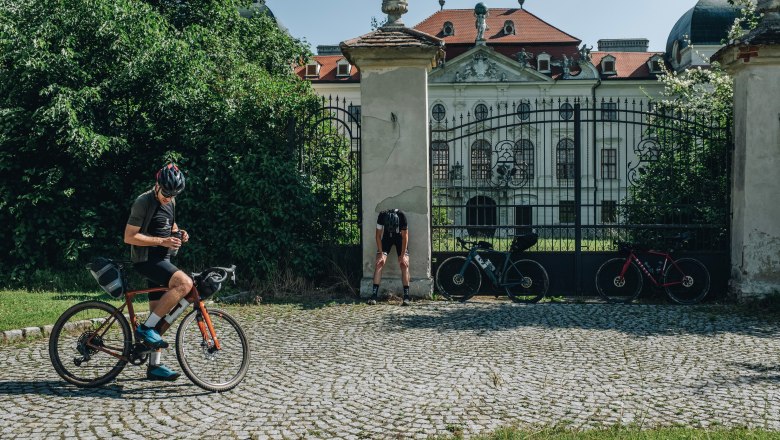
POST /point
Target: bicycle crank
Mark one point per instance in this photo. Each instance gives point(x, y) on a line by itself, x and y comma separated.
point(139, 354)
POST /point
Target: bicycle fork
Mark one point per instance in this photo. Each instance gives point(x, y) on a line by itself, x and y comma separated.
point(210, 342)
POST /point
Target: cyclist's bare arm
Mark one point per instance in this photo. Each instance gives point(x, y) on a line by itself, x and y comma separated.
point(378, 237)
point(404, 241)
point(134, 237)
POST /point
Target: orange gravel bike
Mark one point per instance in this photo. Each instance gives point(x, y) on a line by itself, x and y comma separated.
point(92, 342)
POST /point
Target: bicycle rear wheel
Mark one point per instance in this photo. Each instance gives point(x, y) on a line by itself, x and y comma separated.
point(452, 284)
point(691, 281)
point(526, 281)
point(614, 288)
point(80, 343)
point(208, 367)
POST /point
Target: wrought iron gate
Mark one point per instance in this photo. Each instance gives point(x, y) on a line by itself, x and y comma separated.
point(582, 174)
point(327, 142)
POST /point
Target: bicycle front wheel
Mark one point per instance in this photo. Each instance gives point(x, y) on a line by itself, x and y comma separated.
point(454, 285)
point(88, 343)
point(687, 281)
point(615, 288)
point(208, 367)
point(526, 281)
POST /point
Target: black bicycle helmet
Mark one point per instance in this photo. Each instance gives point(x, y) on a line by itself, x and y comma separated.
point(171, 180)
point(391, 220)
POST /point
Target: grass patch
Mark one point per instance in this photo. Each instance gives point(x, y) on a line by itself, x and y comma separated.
point(622, 433)
point(21, 308)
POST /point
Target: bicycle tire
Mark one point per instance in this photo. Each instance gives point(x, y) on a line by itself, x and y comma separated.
point(68, 337)
point(616, 289)
point(694, 281)
point(453, 285)
point(201, 363)
point(526, 281)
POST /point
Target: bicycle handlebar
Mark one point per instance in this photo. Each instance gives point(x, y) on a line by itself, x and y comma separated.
point(217, 271)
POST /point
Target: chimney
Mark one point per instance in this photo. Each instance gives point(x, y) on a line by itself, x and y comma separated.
point(624, 45)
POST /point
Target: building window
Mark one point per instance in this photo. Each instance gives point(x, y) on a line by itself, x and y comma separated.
point(655, 64)
point(523, 111)
point(481, 112)
point(481, 216)
point(608, 65)
point(608, 211)
point(441, 160)
point(509, 27)
point(566, 112)
point(543, 63)
point(524, 159)
point(609, 111)
point(313, 70)
point(439, 112)
point(566, 211)
point(343, 69)
point(354, 111)
point(480, 161)
point(565, 156)
point(448, 29)
point(609, 163)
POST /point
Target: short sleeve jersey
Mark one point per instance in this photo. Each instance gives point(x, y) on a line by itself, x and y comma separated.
point(402, 223)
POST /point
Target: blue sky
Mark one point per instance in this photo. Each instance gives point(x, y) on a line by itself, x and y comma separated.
point(333, 21)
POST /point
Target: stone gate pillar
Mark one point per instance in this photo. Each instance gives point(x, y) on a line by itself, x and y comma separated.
point(754, 62)
point(394, 62)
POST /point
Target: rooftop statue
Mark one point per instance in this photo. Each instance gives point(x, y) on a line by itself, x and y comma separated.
point(481, 12)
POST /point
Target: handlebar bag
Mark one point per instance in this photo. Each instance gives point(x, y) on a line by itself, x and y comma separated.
point(206, 286)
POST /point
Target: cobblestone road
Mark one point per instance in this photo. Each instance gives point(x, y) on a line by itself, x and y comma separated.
point(354, 371)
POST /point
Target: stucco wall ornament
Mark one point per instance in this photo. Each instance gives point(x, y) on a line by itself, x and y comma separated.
point(481, 68)
point(394, 10)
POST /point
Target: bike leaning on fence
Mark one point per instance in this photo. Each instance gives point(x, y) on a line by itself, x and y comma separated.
point(92, 342)
point(459, 278)
point(685, 280)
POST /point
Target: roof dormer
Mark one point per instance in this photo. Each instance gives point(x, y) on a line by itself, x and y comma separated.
point(448, 29)
point(655, 63)
point(609, 65)
point(343, 68)
point(543, 62)
point(509, 27)
point(313, 69)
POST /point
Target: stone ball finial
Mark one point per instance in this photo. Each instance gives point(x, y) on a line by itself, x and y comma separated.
point(394, 10)
point(480, 9)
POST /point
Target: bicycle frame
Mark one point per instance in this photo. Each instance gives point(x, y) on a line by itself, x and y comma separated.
point(645, 270)
point(204, 324)
point(493, 279)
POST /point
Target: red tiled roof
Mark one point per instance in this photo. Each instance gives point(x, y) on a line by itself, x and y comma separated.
point(528, 27)
point(629, 65)
point(328, 70)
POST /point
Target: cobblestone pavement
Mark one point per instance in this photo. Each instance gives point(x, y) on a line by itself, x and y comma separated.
point(355, 371)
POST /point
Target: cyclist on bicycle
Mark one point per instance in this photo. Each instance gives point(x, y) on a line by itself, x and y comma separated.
point(153, 236)
point(391, 229)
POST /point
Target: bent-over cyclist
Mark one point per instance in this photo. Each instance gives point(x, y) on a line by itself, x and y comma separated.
point(392, 229)
point(154, 236)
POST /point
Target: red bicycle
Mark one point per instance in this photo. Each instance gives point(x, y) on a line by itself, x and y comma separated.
point(92, 342)
point(685, 281)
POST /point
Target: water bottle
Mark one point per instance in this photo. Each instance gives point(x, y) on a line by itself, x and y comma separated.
point(489, 266)
point(660, 268)
point(178, 235)
point(482, 263)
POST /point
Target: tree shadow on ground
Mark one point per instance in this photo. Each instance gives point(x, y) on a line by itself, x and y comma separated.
point(113, 390)
point(631, 319)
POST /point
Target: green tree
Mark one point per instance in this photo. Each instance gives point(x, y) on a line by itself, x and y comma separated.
point(95, 95)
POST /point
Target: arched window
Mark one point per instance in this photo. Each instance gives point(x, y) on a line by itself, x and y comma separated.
point(481, 217)
point(565, 156)
point(480, 160)
point(448, 29)
point(524, 159)
point(509, 27)
point(440, 152)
